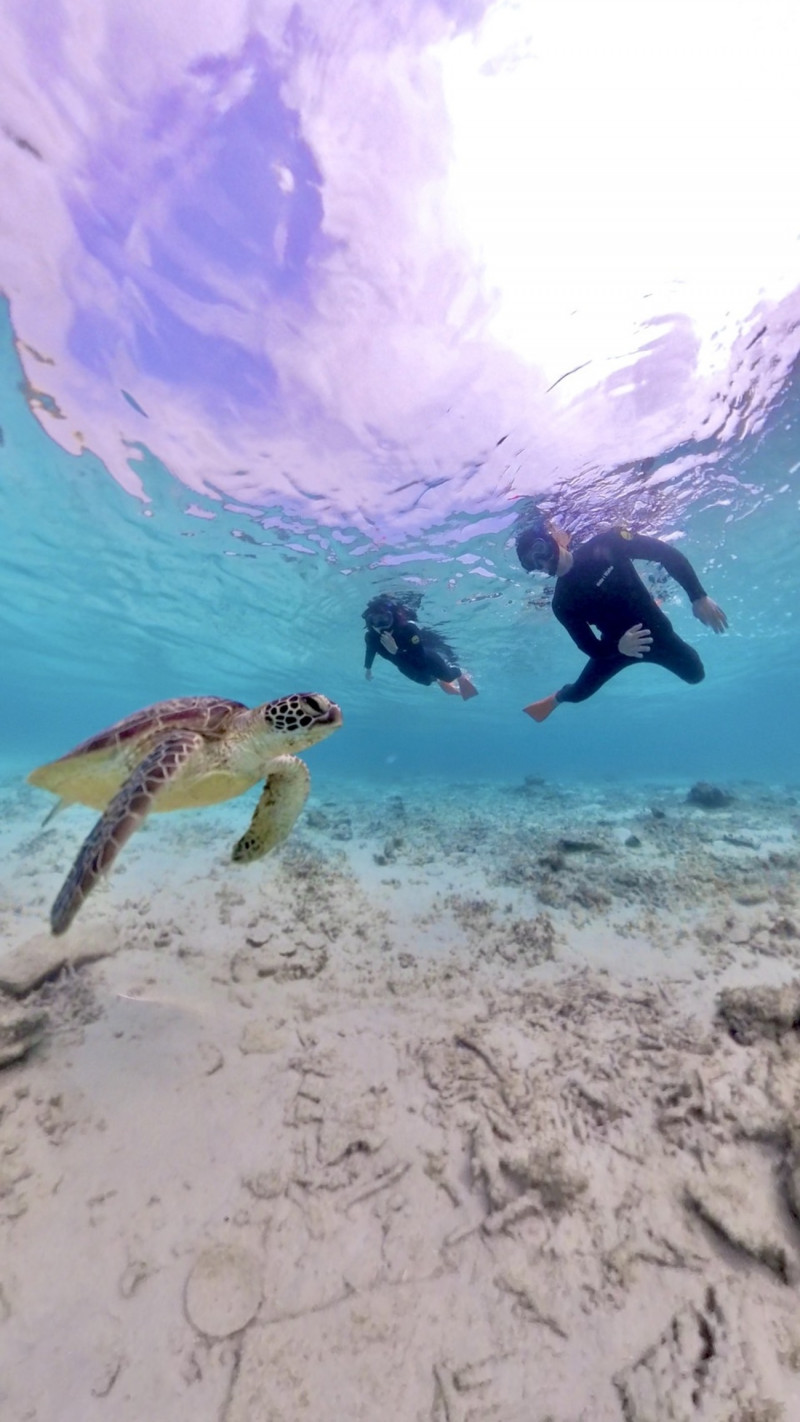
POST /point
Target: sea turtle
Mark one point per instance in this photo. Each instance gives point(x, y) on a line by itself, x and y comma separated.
point(180, 754)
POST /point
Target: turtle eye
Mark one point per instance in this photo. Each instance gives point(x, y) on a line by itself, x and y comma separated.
point(314, 704)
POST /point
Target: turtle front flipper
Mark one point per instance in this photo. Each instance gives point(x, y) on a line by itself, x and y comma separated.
point(123, 814)
point(282, 799)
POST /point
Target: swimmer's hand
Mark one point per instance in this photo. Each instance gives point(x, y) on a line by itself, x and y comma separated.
point(368, 674)
point(636, 642)
point(708, 612)
point(387, 641)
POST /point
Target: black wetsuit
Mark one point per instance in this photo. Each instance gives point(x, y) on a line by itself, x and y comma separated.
point(422, 655)
point(602, 588)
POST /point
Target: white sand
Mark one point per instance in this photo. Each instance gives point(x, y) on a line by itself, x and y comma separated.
point(454, 1137)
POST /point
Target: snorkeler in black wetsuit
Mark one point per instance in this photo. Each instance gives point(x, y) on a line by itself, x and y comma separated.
point(598, 586)
point(418, 652)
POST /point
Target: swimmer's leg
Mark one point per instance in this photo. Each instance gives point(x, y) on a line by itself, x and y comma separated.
point(449, 676)
point(678, 657)
point(594, 675)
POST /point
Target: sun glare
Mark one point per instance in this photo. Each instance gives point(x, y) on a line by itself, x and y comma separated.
point(617, 162)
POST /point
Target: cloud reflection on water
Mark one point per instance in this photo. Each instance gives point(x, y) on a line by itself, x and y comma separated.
point(382, 264)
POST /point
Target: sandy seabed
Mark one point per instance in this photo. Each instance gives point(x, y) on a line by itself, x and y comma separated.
point(471, 1104)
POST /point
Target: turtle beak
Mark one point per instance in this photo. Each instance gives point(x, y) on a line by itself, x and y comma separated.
point(325, 712)
point(327, 715)
point(333, 716)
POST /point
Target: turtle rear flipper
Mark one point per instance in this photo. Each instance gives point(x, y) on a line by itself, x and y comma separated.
point(123, 815)
point(56, 809)
point(282, 799)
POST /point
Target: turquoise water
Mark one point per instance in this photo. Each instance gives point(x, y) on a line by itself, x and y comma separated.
point(295, 312)
point(108, 603)
point(300, 302)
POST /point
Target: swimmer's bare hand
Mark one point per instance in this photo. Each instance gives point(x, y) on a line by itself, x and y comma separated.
point(636, 642)
point(710, 614)
point(387, 641)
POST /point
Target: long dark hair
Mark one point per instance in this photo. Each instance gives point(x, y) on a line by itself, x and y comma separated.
point(403, 607)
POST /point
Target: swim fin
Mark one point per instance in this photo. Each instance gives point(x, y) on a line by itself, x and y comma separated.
point(540, 710)
point(467, 687)
point(450, 687)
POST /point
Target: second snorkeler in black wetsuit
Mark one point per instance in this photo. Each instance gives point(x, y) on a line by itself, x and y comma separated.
point(598, 586)
point(419, 653)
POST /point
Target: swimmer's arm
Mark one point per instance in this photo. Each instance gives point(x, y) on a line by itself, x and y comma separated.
point(583, 636)
point(640, 545)
point(704, 608)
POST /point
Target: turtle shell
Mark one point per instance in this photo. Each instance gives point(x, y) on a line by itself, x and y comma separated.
point(207, 714)
point(94, 770)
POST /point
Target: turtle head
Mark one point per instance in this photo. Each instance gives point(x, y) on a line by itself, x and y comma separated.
point(300, 720)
